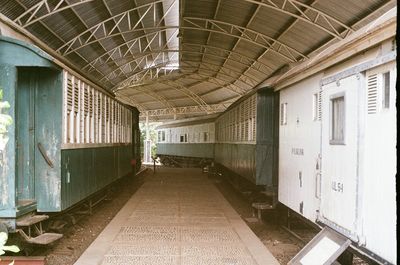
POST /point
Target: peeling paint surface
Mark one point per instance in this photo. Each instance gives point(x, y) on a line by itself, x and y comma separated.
point(7, 157)
point(52, 183)
point(3, 179)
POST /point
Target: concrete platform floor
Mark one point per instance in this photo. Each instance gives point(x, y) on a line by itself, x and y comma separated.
point(177, 217)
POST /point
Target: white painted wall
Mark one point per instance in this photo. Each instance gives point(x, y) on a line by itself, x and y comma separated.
point(340, 175)
point(379, 167)
point(299, 148)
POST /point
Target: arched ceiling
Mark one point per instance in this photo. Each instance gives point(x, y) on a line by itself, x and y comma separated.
point(182, 58)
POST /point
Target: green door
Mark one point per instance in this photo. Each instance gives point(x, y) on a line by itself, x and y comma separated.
point(25, 137)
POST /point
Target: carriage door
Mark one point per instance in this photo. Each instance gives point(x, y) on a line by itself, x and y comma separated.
point(25, 137)
point(339, 178)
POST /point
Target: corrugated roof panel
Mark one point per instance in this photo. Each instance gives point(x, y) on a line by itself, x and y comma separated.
point(11, 9)
point(114, 56)
point(270, 22)
point(200, 8)
point(350, 12)
point(236, 13)
point(304, 37)
point(92, 13)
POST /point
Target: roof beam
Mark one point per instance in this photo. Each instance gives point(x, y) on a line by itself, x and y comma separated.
point(314, 17)
point(107, 57)
point(209, 33)
point(47, 27)
point(201, 77)
point(243, 33)
point(121, 51)
point(102, 30)
point(280, 34)
point(210, 67)
point(212, 108)
point(151, 94)
point(131, 102)
point(127, 67)
point(44, 9)
point(202, 24)
point(238, 40)
point(190, 94)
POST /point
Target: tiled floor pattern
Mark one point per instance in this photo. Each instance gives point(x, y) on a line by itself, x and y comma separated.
point(177, 217)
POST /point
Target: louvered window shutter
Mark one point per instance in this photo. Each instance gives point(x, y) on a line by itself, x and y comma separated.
point(372, 93)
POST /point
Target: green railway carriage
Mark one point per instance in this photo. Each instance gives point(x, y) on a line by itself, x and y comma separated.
point(242, 140)
point(67, 139)
point(246, 139)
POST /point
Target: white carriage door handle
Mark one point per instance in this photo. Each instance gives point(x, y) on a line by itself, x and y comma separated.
point(318, 179)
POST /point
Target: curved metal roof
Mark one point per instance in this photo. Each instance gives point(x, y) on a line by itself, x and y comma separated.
point(188, 57)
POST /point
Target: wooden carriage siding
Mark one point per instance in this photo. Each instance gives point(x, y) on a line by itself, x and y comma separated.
point(80, 131)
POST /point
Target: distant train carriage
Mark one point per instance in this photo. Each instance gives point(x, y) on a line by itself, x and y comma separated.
point(184, 142)
point(247, 139)
point(67, 141)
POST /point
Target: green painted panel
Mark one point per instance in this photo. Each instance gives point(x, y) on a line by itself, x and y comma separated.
point(257, 163)
point(267, 138)
point(48, 133)
point(7, 153)
point(124, 159)
point(187, 149)
point(239, 158)
point(25, 136)
point(15, 56)
point(18, 53)
point(87, 170)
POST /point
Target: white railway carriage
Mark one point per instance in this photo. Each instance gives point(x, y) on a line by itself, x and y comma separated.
point(191, 140)
point(337, 149)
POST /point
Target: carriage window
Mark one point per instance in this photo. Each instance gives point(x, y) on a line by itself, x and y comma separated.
point(163, 136)
point(386, 90)
point(283, 113)
point(315, 107)
point(159, 136)
point(205, 136)
point(337, 120)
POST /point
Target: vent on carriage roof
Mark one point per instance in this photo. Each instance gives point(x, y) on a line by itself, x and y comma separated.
point(372, 90)
point(319, 115)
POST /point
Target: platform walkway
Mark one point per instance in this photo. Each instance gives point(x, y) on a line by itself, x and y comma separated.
point(178, 216)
